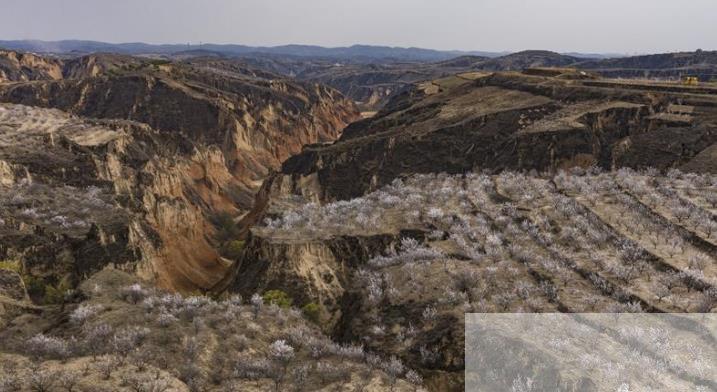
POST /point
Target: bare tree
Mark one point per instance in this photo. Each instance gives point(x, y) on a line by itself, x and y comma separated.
point(106, 365)
point(133, 294)
point(126, 340)
point(256, 304)
point(96, 338)
point(661, 292)
point(68, 380)
point(414, 378)
point(394, 368)
point(42, 380)
point(12, 378)
point(43, 346)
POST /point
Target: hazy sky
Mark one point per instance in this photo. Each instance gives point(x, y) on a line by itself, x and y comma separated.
point(624, 26)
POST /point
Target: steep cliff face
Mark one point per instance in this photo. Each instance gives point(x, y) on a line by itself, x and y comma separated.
point(253, 121)
point(513, 121)
point(17, 67)
point(79, 195)
point(194, 140)
point(310, 269)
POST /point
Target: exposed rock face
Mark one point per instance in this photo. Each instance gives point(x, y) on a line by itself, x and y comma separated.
point(373, 85)
point(201, 140)
point(513, 121)
point(495, 122)
point(15, 66)
point(79, 195)
point(314, 270)
point(252, 121)
point(12, 286)
point(704, 162)
point(13, 296)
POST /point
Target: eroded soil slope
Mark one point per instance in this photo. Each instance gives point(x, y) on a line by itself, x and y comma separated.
point(514, 121)
point(78, 195)
point(255, 120)
point(181, 143)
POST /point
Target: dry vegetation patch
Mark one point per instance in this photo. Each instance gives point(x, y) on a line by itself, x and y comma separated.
point(125, 336)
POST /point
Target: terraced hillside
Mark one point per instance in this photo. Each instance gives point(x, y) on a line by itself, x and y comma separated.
point(396, 269)
point(517, 121)
point(700, 63)
point(373, 85)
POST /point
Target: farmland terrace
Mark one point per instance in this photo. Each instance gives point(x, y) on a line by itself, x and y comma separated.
point(516, 121)
point(396, 269)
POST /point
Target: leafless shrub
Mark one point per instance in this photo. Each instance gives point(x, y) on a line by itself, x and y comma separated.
point(329, 373)
point(429, 313)
point(549, 290)
point(411, 251)
point(68, 380)
point(414, 378)
point(698, 261)
point(300, 376)
point(84, 312)
point(165, 319)
point(524, 289)
point(281, 352)
point(145, 383)
point(42, 380)
point(428, 356)
point(503, 300)
point(256, 304)
point(251, 368)
point(96, 338)
point(631, 307)
point(12, 378)
point(706, 302)
point(42, 346)
point(106, 365)
point(133, 294)
point(191, 348)
point(661, 292)
point(465, 282)
point(394, 368)
point(191, 374)
point(126, 340)
point(351, 352)
point(141, 358)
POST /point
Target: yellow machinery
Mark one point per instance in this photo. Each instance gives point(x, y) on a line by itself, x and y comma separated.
point(690, 80)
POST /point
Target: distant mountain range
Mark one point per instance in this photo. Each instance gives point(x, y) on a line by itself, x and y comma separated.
point(354, 53)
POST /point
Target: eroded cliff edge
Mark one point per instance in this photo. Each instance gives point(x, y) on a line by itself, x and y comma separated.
point(170, 146)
